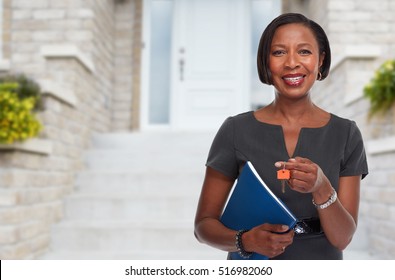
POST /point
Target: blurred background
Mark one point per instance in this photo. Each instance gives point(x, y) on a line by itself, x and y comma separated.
point(108, 109)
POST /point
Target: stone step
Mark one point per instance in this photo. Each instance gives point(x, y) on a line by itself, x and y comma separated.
point(147, 158)
point(204, 253)
point(125, 236)
point(150, 154)
point(136, 199)
point(152, 164)
point(126, 206)
point(352, 254)
point(140, 182)
point(154, 141)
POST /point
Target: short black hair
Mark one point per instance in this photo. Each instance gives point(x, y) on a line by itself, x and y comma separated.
point(267, 37)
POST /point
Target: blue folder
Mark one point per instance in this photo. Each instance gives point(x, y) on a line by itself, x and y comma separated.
point(251, 204)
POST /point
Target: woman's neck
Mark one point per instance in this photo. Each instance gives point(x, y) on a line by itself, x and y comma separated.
point(301, 113)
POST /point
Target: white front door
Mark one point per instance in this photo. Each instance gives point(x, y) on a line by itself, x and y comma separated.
point(199, 73)
point(211, 62)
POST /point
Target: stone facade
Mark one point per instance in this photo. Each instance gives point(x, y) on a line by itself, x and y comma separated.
point(362, 36)
point(81, 53)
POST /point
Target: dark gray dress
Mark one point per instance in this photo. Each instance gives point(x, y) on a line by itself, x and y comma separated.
point(336, 147)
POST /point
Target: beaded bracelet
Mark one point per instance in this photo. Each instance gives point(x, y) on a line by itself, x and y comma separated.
point(326, 204)
point(239, 245)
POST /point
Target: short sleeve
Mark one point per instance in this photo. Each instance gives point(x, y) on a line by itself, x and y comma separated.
point(354, 162)
point(221, 156)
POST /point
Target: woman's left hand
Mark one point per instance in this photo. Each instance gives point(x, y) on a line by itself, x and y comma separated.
point(306, 176)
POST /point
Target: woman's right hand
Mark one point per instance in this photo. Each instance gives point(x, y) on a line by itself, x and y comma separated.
point(267, 239)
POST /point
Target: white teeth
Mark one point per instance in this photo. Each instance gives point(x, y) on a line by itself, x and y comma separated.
point(294, 79)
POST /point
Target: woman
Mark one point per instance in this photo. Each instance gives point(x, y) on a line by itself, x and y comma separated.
point(324, 153)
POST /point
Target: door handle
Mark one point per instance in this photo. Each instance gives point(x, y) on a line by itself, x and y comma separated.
point(181, 64)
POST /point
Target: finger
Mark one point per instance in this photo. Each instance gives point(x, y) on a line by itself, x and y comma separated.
point(290, 164)
point(302, 167)
point(274, 228)
point(298, 183)
point(303, 188)
point(303, 176)
point(302, 160)
point(281, 249)
point(280, 164)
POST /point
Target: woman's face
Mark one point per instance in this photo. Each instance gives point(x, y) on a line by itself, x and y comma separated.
point(294, 60)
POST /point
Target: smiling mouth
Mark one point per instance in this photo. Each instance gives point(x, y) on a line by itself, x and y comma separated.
point(294, 81)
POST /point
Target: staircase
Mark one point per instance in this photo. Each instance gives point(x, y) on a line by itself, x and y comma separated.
point(136, 199)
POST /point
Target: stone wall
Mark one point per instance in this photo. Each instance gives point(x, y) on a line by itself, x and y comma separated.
point(362, 36)
point(79, 52)
point(127, 65)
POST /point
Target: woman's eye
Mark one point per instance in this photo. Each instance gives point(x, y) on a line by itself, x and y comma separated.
point(305, 52)
point(278, 52)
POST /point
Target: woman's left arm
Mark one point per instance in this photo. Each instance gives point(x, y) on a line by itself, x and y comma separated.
point(338, 220)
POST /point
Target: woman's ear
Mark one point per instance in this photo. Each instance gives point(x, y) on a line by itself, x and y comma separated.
point(321, 59)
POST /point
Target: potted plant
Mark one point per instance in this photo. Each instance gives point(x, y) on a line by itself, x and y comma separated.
point(381, 89)
point(19, 101)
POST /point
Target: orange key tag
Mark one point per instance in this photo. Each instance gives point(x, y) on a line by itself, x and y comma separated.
point(283, 175)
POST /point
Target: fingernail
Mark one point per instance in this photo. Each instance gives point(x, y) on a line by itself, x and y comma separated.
point(284, 227)
point(278, 164)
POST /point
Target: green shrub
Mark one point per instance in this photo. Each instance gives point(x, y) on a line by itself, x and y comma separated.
point(17, 119)
point(26, 87)
point(381, 89)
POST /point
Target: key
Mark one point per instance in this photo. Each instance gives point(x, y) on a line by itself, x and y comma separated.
point(283, 175)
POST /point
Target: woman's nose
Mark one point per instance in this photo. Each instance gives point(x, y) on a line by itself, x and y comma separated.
point(292, 61)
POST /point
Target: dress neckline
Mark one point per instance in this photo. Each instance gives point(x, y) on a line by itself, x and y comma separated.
point(331, 117)
point(302, 131)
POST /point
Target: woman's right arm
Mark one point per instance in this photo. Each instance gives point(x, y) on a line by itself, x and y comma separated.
point(208, 228)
